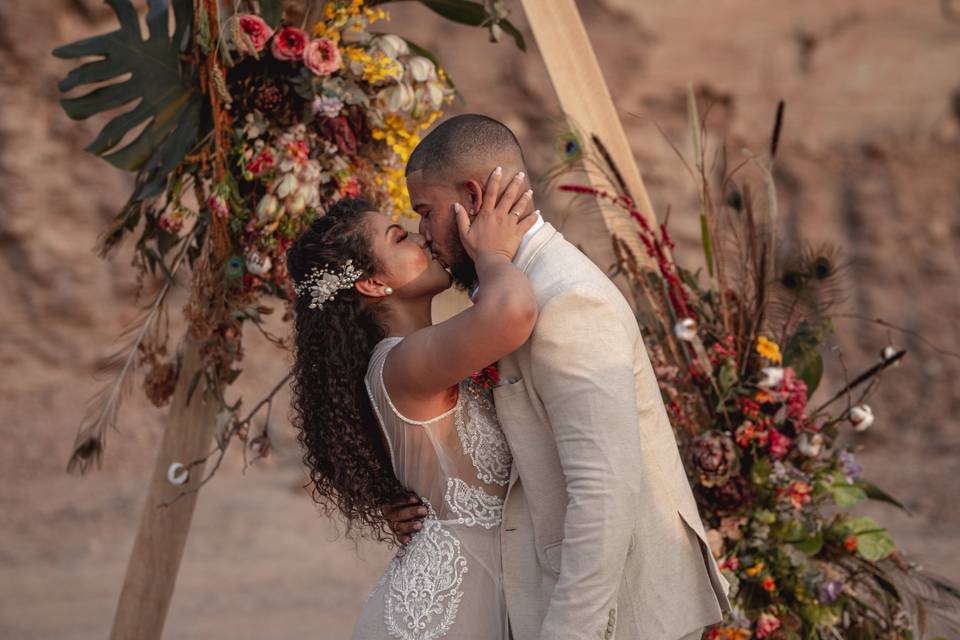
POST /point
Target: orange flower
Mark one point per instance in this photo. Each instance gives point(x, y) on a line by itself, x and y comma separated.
point(799, 494)
point(755, 569)
point(763, 397)
point(850, 543)
point(769, 584)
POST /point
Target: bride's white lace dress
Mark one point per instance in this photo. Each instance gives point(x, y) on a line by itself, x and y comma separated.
point(446, 582)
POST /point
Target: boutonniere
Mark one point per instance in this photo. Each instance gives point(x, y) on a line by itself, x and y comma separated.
point(487, 378)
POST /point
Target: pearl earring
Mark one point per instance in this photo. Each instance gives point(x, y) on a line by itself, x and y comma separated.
point(388, 291)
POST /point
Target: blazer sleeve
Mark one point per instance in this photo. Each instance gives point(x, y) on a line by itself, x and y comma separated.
point(582, 356)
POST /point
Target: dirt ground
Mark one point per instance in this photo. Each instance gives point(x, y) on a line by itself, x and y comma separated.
point(870, 161)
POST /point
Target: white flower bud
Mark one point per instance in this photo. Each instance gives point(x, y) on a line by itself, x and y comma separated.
point(421, 69)
point(288, 184)
point(888, 352)
point(391, 45)
point(267, 208)
point(861, 417)
point(686, 329)
point(770, 377)
point(257, 264)
point(810, 444)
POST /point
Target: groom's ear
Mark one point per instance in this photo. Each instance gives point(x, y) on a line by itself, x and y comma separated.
point(475, 191)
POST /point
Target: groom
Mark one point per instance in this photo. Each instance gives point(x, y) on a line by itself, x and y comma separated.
point(601, 537)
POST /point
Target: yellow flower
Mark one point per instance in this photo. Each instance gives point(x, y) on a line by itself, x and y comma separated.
point(755, 569)
point(768, 349)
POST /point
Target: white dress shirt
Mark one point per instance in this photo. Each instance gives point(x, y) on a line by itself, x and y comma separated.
point(523, 242)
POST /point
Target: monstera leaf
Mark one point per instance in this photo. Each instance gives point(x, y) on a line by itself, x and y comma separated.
point(165, 97)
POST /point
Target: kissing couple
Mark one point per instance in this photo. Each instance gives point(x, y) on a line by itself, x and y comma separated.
point(542, 498)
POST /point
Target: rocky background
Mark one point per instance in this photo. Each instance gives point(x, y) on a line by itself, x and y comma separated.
point(869, 161)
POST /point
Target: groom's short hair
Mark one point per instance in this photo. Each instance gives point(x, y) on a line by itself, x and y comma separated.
point(465, 138)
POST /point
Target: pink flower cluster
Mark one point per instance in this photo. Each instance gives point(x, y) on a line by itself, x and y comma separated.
point(321, 55)
point(796, 392)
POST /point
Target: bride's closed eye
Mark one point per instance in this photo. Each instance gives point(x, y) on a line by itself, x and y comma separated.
point(403, 236)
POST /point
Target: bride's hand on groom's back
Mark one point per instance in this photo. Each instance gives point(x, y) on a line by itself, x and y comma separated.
point(501, 221)
point(403, 517)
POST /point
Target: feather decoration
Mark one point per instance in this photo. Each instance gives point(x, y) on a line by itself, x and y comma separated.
point(103, 408)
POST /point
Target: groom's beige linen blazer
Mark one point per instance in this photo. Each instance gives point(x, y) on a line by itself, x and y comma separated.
point(601, 537)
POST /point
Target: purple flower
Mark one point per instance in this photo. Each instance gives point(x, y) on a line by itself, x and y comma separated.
point(849, 466)
point(830, 591)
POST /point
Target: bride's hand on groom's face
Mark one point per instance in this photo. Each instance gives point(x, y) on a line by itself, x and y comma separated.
point(503, 218)
point(404, 518)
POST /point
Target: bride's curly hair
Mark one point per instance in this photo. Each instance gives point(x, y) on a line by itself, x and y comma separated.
point(350, 469)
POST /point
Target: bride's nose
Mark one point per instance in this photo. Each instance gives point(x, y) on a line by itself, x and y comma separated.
point(419, 239)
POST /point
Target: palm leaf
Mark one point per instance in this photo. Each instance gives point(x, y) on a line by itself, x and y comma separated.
point(167, 100)
point(466, 12)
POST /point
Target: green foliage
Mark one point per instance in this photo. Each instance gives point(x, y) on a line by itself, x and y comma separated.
point(167, 99)
point(466, 12)
point(801, 353)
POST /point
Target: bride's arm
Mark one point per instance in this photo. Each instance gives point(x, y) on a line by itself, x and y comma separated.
point(433, 359)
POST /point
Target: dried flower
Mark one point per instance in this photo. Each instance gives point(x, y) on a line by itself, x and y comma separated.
point(218, 206)
point(686, 329)
point(799, 493)
point(861, 417)
point(766, 624)
point(714, 458)
point(171, 221)
point(328, 106)
point(850, 543)
point(322, 57)
point(849, 466)
point(779, 444)
point(268, 98)
point(160, 383)
point(769, 584)
point(289, 44)
point(829, 591)
point(260, 163)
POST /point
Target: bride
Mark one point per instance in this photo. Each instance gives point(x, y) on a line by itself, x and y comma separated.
point(385, 404)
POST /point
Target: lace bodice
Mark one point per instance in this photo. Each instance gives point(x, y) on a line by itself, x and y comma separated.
point(459, 464)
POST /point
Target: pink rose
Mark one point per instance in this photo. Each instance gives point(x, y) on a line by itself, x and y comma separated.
point(322, 56)
point(766, 625)
point(289, 44)
point(256, 29)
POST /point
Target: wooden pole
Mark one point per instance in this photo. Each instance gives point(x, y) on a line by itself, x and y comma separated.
point(585, 99)
point(158, 548)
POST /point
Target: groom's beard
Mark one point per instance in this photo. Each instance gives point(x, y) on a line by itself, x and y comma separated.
point(462, 269)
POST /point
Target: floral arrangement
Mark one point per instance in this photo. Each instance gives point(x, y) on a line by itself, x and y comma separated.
point(254, 126)
point(737, 362)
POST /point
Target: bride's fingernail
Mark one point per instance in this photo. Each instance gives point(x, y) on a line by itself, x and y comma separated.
point(537, 212)
point(521, 175)
point(498, 171)
point(528, 193)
